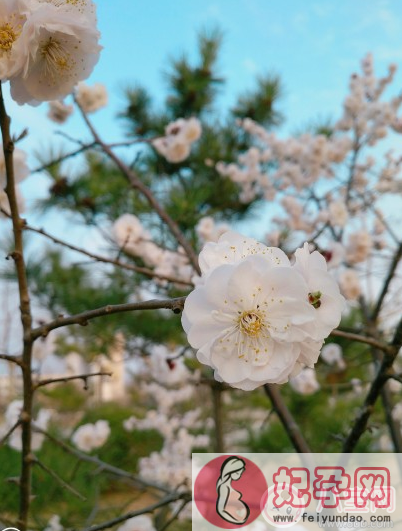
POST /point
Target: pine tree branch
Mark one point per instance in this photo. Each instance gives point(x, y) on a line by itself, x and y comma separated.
point(176, 305)
point(26, 318)
point(137, 184)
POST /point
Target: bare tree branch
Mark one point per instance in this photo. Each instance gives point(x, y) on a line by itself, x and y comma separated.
point(59, 480)
point(10, 431)
point(83, 377)
point(130, 267)
point(164, 501)
point(13, 359)
point(176, 305)
point(388, 280)
point(362, 339)
point(290, 425)
point(26, 318)
point(137, 184)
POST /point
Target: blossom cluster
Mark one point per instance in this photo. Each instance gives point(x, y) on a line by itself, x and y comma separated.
point(255, 318)
point(175, 146)
point(90, 99)
point(134, 239)
point(90, 436)
point(326, 186)
point(47, 47)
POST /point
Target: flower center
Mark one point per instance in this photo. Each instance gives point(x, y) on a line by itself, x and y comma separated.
point(55, 57)
point(7, 37)
point(251, 323)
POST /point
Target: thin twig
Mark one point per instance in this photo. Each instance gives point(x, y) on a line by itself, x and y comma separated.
point(13, 359)
point(176, 305)
point(164, 501)
point(285, 416)
point(83, 377)
point(61, 481)
point(10, 431)
point(388, 280)
point(362, 339)
point(174, 517)
point(130, 267)
point(101, 464)
point(137, 184)
point(64, 157)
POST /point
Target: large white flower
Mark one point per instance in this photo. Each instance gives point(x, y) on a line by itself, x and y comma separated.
point(233, 247)
point(248, 319)
point(323, 294)
point(12, 20)
point(58, 47)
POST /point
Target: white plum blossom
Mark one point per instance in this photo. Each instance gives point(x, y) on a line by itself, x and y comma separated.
point(175, 146)
point(54, 524)
point(305, 382)
point(338, 213)
point(142, 522)
point(57, 48)
point(90, 436)
point(350, 284)
point(59, 111)
point(254, 318)
point(12, 20)
point(324, 292)
point(93, 98)
point(128, 232)
point(331, 353)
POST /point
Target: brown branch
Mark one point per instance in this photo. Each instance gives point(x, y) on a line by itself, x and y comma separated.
point(26, 318)
point(285, 416)
point(83, 377)
point(130, 267)
point(13, 359)
point(391, 272)
point(174, 517)
point(164, 501)
point(137, 184)
point(362, 339)
point(176, 305)
point(59, 480)
point(10, 431)
point(101, 464)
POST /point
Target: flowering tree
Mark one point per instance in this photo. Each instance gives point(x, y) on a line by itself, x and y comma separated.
point(256, 313)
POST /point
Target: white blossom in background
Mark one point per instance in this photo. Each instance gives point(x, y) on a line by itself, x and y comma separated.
point(357, 386)
point(350, 284)
point(11, 417)
point(175, 146)
point(59, 112)
point(56, 48)
point(90, 436)
point(305, 382)
point(54, 524)
point(128, 232)
point(397, 412)
point(142, 522)
point(91, 99)
point(21, 170)
point(256, 319)
point(209, 231)
point(338, 214)
point(332, 354)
